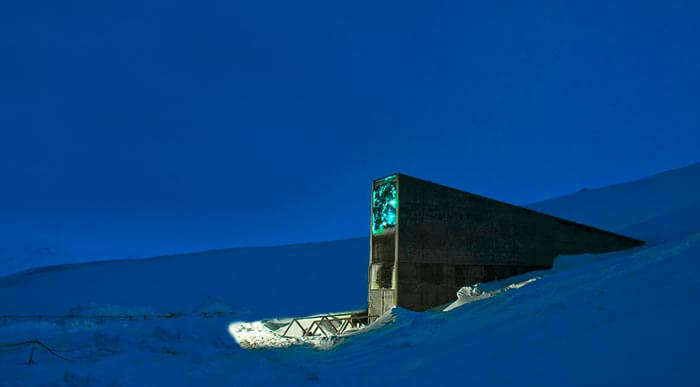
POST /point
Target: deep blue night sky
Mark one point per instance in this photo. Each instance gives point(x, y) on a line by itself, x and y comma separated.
point(255, 123)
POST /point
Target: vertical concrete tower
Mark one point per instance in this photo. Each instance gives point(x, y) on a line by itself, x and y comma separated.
point(427, 241)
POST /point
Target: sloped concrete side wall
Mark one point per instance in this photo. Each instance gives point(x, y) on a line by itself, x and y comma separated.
point(450, 238)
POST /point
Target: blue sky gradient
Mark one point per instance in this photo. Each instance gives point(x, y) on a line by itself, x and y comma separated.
point(264, 122)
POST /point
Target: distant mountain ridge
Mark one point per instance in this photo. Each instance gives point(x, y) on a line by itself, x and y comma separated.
point(653, 209)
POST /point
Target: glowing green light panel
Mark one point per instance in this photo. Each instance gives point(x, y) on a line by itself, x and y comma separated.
point(384, 203)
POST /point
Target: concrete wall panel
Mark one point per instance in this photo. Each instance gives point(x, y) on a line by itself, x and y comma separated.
point(448, 238)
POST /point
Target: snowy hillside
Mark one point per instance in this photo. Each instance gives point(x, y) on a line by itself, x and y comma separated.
point(49, 239)
point(627, 318)
point(663, 206)
point(259, 280)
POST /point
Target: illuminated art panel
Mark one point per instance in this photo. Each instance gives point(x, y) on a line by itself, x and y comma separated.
point(384, 203)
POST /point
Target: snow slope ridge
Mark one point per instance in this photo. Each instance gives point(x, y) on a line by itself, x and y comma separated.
point(469, 294)
point(653, 209)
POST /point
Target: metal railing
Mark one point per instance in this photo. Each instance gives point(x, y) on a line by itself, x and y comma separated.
point(330, 324)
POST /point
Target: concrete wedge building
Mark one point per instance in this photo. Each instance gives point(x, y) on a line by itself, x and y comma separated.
point(427, 241)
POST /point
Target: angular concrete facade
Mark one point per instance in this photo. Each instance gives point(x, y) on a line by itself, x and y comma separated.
point(427, 241)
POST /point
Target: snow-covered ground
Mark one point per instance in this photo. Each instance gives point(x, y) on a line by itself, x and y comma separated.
point(627, 318)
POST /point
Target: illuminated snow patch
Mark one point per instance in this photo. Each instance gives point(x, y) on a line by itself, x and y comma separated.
point(252, 335)
point(255, 335)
